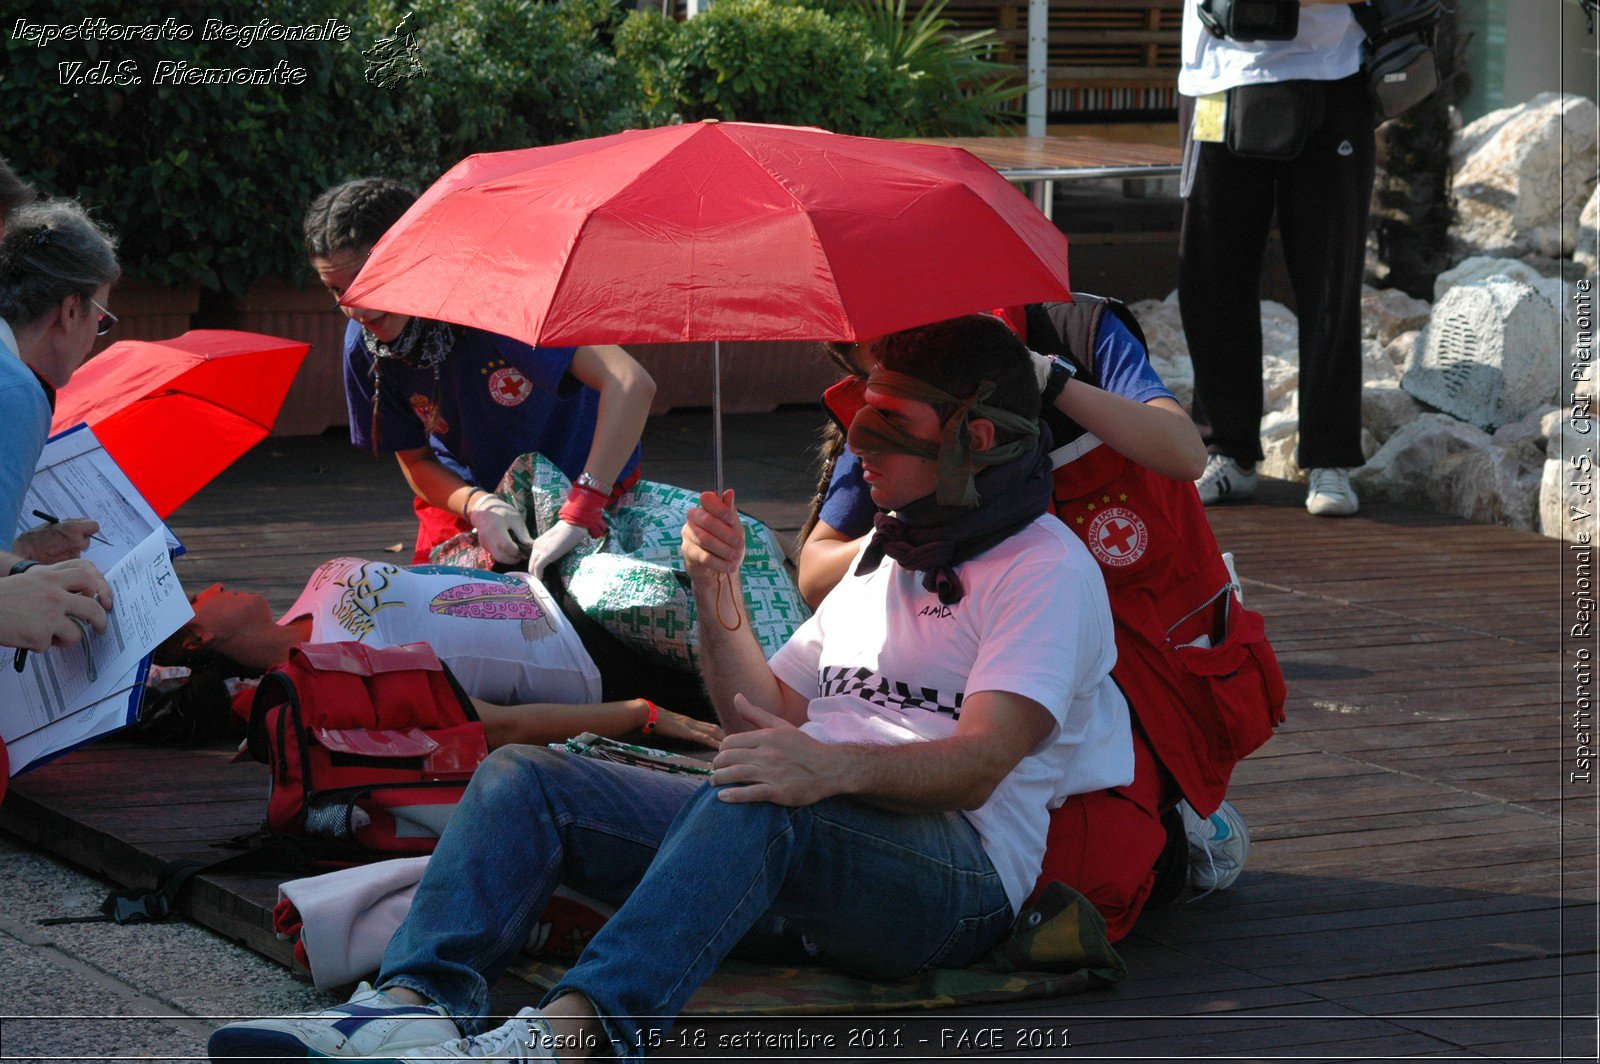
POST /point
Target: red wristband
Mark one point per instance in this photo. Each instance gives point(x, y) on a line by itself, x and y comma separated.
point(585, 508)
point(649, 725)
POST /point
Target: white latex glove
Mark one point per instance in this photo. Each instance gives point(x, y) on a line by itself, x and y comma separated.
point(553, 544)
point(501, 529)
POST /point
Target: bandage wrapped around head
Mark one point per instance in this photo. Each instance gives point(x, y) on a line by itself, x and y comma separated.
point(953, 453)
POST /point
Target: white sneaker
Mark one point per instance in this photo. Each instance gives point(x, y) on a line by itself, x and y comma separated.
point(1330, 494)
point(525, 1037)
point(370, 1024)
point(1218, 846)
point(1224, 478)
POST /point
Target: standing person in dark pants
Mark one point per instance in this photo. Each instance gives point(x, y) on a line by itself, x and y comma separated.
point(1320, 186)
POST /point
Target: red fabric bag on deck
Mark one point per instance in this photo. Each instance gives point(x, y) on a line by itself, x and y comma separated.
point(370, 748)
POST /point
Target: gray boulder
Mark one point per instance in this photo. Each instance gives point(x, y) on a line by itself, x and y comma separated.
point(1491, 354)
point(1522, 176)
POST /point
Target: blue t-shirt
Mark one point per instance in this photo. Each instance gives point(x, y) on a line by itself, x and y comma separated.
point(1120, 364)
point(499, 399)
point(25, 413)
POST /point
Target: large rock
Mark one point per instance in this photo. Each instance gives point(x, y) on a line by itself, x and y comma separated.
point(1522, 176)
point(1402, 349)
point(1587, 251)
point(1490, 356)
point(1376, 365)
point(1162, 323)
point(1386, 408)
point(1494, 484)
point(1388, 312)
point(1535, 428)
point(1483, 267)
point(1405, 463)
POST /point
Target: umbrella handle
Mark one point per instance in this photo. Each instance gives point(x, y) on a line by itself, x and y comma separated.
point(726, 581)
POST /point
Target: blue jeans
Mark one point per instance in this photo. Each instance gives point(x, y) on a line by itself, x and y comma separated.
point(878, 894)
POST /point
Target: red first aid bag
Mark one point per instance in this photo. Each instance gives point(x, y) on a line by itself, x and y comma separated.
point(370, 748)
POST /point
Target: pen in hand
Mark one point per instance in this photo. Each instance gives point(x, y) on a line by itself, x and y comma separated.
point(19, 660)
point(51, 519)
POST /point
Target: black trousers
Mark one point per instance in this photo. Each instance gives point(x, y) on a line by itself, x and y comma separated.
point(1321, 197)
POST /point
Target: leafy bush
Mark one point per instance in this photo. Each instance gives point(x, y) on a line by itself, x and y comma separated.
point(853, 66)
point(208, 182)
point(945, 82)
point(759, 61)
point(500, 74)
point(199, 181)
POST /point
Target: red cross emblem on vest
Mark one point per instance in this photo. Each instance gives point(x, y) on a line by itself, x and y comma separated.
point(1118, 537)
point(508, 387)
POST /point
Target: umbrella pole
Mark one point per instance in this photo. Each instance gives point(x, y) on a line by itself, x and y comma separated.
point(724, 582)
point(716, 410)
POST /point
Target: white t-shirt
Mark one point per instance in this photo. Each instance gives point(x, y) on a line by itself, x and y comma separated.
point(883, 661)
point(501, 633)
point(1327, 48)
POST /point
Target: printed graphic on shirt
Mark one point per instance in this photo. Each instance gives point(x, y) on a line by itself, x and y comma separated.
point(1118, 537)
point(507, 385)
point(433, 422)
point(489, 597)
point(891, 694)
point(366, 590)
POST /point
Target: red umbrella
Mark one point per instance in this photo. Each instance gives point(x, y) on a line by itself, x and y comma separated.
point(175, 413)
point(715, 231)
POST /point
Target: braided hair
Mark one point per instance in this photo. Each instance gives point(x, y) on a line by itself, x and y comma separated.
point(354, 215)
point(52, 250)
point(831, 446)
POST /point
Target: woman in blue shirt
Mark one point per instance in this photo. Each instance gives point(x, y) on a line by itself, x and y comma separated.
point(456, 405)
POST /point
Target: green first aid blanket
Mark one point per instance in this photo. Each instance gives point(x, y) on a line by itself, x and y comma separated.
point(632, 581)
point(1057, 947)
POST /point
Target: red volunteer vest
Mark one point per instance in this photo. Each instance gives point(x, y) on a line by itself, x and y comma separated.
point(1204, 708)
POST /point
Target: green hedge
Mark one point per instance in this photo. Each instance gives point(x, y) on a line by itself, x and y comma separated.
point(207, 182)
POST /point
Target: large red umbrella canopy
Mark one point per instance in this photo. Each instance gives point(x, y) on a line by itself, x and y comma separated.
point(175, 413)
point(714, 231)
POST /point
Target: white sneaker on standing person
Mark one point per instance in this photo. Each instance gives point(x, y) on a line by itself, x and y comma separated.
point(1330, 494)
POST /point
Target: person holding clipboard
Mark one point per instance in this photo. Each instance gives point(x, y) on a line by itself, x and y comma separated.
point(56, 271)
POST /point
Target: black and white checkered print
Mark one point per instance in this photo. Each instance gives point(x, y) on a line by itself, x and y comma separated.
point(880, 691)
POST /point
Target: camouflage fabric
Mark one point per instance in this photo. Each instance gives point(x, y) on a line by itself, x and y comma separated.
point(1057, 947)
point(632, 581)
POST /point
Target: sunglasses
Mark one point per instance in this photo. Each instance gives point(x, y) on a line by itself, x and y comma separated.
point(107, 321)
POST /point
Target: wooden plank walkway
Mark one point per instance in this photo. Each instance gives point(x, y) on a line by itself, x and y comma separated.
point(1421, 882)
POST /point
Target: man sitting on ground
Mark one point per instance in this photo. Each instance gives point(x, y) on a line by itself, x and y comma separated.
point(885, 786)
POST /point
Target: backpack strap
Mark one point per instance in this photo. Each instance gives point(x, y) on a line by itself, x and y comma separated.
point(134, 906)
point(1072, 330)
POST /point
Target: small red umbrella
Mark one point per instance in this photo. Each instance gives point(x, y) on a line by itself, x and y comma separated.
point(175, 413)
point(715, 231)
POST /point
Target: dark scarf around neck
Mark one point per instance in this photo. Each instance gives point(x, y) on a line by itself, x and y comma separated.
point(933, 540)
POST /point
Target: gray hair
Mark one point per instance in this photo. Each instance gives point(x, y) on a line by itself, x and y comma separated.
point(52, 250)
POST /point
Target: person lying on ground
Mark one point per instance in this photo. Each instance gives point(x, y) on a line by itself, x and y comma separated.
point(883, 788)
point(456, 405)
point(41, 605)
point(500, 633)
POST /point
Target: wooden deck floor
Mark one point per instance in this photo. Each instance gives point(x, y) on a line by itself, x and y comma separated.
point(1421, 880)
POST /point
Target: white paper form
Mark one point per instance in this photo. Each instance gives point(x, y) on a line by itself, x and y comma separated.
point(90, 722)
point(76, 477)
point(64, 683)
